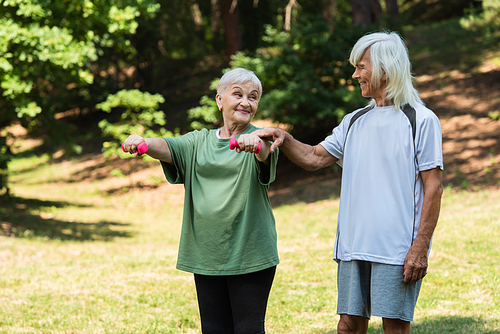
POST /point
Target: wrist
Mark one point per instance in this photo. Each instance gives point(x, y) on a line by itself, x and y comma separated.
point(421, 243)
point(287, 137)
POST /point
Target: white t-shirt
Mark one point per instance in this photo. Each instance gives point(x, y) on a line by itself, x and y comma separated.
point(382, 193)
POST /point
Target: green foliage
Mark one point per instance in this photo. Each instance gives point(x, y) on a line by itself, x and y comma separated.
point(486, 19)
point(5, 157)
point(52, 54)
point(207, 115)
point(306, 74)
point(46, 46)
point(494, 115)
point(207, 112)
point(139, 115)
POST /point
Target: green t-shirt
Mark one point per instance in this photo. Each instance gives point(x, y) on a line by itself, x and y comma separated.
point(228, 226)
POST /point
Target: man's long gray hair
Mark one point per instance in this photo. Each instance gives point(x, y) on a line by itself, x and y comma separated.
point(389, 55)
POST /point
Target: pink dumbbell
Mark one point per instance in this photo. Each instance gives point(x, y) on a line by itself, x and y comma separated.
point(233, 143)
point(141, 148)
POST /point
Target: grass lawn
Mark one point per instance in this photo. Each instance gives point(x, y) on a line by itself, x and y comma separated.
point(97, 254)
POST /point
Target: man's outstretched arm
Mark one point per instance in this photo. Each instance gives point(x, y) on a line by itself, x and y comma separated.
point(303, 155)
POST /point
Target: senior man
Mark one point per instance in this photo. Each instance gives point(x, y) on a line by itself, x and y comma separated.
point(392, 160)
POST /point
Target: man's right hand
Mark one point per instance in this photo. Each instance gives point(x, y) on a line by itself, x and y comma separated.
point(274, 135)
point(303, 155)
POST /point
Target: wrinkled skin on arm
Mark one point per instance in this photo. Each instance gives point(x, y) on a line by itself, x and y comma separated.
point(306, 156)
point(416, 261)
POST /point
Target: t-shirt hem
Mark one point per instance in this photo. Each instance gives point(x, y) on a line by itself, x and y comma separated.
point(225, 272)
point(370, 258)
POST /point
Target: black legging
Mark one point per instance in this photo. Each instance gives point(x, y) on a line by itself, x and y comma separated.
point(234, 304)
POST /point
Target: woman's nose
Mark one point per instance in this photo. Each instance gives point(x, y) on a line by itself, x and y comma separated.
point(244, 101)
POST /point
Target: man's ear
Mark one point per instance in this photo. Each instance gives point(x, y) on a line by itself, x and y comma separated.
point(383, 77)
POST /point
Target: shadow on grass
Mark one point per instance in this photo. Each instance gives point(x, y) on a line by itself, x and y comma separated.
point(441, 325)
point(136, 186)
point(19, 218)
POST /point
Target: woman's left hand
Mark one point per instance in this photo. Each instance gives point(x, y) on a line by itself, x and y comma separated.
point(248, 143)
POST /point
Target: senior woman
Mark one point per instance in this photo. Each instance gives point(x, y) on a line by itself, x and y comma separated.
point(228, 237)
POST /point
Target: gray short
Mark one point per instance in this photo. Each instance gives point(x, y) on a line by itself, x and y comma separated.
point(368, 288)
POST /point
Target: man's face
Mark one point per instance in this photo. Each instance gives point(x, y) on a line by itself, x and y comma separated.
point(363, 74)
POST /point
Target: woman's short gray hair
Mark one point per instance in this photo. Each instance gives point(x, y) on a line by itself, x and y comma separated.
point(389, 55)
point(238, 76)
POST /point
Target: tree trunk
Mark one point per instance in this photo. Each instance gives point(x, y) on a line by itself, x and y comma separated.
point(231, 17)
point(197, 19)
point(376, 11)
point(361, 12)
point(393, 11)
point(288, 14)
point(366, 12)
point(215, 24)
point(328, 10)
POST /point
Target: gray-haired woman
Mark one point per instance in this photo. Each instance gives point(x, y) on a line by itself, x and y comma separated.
point(228, 237)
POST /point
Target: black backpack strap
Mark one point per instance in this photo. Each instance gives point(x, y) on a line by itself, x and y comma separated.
point(412, 117)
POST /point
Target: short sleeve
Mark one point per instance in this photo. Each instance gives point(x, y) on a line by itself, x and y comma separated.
point(182, 149)
point(334, 143)
point(267, 173)
point(429, 142)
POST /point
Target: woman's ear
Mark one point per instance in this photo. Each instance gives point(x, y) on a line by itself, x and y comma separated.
point(218, 100)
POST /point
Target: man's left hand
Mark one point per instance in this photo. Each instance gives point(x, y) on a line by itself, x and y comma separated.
point(416, 262)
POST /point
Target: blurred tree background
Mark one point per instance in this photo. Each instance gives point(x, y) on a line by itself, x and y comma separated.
point(78, 73)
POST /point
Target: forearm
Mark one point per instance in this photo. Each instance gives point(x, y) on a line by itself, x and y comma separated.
point(306, 156)
point(430, 213)
point(158, 149)
point(263, 155)
point(416, 260)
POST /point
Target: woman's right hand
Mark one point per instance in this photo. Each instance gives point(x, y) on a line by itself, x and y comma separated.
point(130, 144)
point(157, 147)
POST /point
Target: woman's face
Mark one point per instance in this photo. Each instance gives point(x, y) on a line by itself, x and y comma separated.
point(239, 103)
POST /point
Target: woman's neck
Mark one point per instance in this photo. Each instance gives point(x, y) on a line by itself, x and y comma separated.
point(232, 130)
